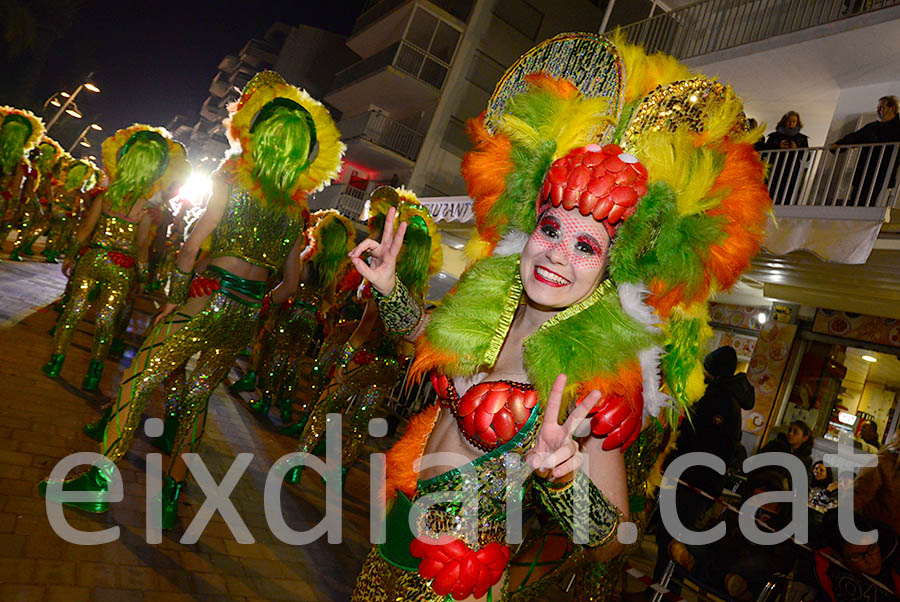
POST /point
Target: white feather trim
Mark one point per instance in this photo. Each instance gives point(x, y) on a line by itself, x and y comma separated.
point(631, 296)
point(654, 399)
point(512, 243)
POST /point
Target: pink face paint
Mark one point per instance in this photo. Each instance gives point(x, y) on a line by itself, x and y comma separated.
point(581, 242)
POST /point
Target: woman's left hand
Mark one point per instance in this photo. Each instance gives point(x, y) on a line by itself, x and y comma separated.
point(556, 454)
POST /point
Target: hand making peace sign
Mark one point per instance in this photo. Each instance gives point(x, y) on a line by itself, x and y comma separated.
point(556, 454)
point(381, 269)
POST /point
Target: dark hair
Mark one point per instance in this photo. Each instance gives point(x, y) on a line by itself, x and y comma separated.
point(829, 476)
point(890, 101)
point(786, 116)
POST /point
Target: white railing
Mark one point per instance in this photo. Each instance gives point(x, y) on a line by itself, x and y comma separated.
point(404, 401)
point(351, 202)
point(378, 128)
point(841, 177)
point(712, 25)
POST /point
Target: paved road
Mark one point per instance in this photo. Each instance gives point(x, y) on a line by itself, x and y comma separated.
point(40, 422)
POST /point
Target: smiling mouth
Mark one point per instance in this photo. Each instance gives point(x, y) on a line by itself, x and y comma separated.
point(549, 278)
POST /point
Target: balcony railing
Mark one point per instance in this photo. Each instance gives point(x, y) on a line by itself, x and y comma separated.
point(857, 176)
point(402, 56)
point(351, 202)
point(712, 25)
point(376, 9)
point(378, 128)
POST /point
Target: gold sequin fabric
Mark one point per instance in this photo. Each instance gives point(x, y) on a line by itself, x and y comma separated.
point(115, 234)
point(257, 234)
point(380, 581)
point(34, 220)
point(94, 268)
point(219, 332)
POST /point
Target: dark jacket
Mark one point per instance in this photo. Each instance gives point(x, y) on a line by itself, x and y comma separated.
point(715, 427)
point(773, 142)
point(780, 444)
point(871, 171)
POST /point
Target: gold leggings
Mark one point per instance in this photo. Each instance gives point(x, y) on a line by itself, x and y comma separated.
point(218, 329)
point(34, 221)
point(284, 353)
point(92, 269)
point(370, 384)
point(62, 229)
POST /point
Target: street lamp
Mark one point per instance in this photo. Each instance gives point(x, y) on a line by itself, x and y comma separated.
point(70, 98)
point(82, 136)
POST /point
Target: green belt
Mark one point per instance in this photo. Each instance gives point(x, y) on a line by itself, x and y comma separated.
point(235, 284)
point(398, 535)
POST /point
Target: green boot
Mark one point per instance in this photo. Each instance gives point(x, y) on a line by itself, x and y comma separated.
point(91, 380)
point(54, 366)
point(293, 475)
point(15, 255)
point(96, 480)
point(170, 491)
point(95, 430)
point(51, 257)
point(260, 407)
point(166, 441)
point(117, 347)
point(296, 429)
point(27, 250)
point(246, 383)
point(286, 406)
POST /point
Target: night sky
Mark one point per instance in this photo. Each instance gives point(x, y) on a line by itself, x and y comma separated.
point(155, 59)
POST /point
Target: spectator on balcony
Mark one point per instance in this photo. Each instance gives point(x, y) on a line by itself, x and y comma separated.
point(785, 166)
point(876, 489)
point(872, 167)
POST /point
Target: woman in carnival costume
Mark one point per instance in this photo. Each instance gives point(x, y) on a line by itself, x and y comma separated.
point(593, 315)
point(371, 361)
point(46, 160)
point(285, 146)
point(330, 239)
point(20, 131)
point(139, 160)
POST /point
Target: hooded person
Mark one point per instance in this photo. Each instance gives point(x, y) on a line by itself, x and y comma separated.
point(139, 160)
point(372, 360)
point(607, 210)
point(284, 146)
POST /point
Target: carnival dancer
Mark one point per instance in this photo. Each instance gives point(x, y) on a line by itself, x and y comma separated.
point(544, 330)
point(20, 131)
point(284, 355)
point(139, 160)
point(371, 362)
point(47, 159)
point(285, 145)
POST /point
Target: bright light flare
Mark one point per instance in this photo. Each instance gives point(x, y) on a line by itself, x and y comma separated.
point(74, 113)
point(94, 126)
point(55, 103)
point(869, 358)
point(197, 189)
point(91, 87)
point(762, 317)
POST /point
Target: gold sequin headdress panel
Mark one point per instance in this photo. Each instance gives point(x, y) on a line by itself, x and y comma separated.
point(178, 168)
point(260, 91)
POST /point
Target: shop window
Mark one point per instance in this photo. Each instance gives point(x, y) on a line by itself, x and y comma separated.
point(838, 388)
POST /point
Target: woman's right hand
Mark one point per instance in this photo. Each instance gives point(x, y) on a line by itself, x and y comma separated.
point(382, 267)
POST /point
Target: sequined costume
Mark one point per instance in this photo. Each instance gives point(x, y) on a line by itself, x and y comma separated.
point(219, 331)
point(581, 134)
point(110, 263)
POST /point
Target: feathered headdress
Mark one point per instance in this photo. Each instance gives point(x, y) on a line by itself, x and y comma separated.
point(696, 227)
point(264, 88)
point(177, 168)
point(330, 239)
point(421, 256)
point(37, 126)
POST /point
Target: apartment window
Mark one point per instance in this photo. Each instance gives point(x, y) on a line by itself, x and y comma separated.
point(521, 16)
point(430, 34)
point(484, 72)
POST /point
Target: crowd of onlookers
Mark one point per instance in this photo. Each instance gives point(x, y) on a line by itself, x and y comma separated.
point(873, 166)
point(827, 567)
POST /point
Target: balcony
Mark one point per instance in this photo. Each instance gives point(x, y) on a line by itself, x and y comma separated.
point(398, 76)
point(853, 182)
point(375, 10)
point(710, 26)
point(220, 85)
point(348, 200)
point(380, 143)
point(211, 112)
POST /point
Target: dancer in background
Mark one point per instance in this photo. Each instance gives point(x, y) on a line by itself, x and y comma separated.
point(139, 160)
point(372, 360)
point(285, 145)
point(329, 241)
point(20, 131)
point(47, 158)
